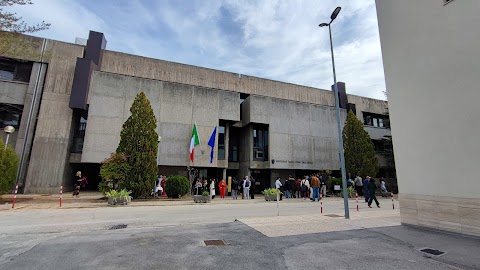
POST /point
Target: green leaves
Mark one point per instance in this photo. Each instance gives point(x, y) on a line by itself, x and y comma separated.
point(8, 168)
point(177, 186)
point(138, 141)
point(360, 156)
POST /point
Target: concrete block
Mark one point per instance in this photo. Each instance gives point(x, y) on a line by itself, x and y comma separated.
point(177, 103)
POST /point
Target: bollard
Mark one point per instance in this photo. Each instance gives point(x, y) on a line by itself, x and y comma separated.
point(321, 204)
point(61, 194)
point(356, 198)
point(278, 199)
point(393, 203)
point(15, 196)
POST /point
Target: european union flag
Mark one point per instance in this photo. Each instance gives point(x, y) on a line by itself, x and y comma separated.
point(211, 143)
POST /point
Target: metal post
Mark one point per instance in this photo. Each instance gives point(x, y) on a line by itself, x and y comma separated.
point(340, 139)
point(6, 141)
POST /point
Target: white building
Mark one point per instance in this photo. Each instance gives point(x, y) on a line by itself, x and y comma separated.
point(431, 54)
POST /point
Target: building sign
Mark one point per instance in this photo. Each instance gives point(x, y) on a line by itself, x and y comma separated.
point(291, 161)
point(336, 187)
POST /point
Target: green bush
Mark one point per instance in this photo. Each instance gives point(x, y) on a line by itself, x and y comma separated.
point(177, 186)
point(114, 171)
point(118, 194)
point(205, 193)
point(336, 181)
point(270, 191)
point(8, 168)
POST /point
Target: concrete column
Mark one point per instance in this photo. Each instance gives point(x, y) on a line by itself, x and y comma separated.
point(227, 142)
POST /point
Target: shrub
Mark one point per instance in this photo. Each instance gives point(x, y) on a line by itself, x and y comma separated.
point(114, 171)
point(270, 191)
point(118, 194)
point(8, 168)
point(336, 181)
point(205, 193)
point(177, 186)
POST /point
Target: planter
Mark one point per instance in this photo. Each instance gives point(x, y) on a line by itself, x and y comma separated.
point(201, 198)
point(119, 201)
point(270, 197)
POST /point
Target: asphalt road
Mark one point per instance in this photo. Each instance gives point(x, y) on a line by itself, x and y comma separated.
point(182, 247)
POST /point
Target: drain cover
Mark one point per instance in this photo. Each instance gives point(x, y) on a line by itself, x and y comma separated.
point(435, 252)
point(118, 226)
point(214, 243)
point(332, 215)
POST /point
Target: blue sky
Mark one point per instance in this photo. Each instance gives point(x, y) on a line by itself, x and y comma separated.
point(273, 39)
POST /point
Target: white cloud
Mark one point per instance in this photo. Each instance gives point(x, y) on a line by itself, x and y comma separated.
point(274, 39)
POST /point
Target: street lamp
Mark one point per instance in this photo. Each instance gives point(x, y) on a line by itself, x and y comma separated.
point(8, 130)
point(337, 107)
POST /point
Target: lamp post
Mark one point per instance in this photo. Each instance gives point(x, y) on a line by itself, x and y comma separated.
point(337, 107)
point(8, 130)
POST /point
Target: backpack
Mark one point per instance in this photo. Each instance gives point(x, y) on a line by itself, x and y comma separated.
point(247, 184)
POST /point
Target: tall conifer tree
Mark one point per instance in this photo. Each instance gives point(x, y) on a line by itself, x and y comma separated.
point(139, 141)
point(360, 156)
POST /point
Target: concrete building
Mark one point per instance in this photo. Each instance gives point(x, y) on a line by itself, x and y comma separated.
point(432, 68)
point(69, 103)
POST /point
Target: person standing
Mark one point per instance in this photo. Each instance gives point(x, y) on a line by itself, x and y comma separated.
point(383, 188)
point(234, 188)
point(298, 188)
point(365, 188)
point(305, 187)
point(222, 187)
point(372, 187)
point(315, 187)
point(323, 184)
point(212, 188)
point(278, 186)
point(240, 187)
point(252, 188)
point(198, 187)
point(163, 183)
point(246, 188)
point(359, 185)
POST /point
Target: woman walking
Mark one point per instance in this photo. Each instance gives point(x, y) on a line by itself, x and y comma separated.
point(77, 183)
point(222, 186)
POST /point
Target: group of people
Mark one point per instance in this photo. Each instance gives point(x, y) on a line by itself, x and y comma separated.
point(367, 188)
point(159, 189)
point(243, 189)
point(310, 186)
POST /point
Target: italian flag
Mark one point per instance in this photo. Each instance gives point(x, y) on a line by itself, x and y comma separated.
point(194, 141)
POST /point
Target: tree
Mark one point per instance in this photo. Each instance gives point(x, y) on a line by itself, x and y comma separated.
point(114, 171)
point(12, 25)
point(8, 168)
point(138, 141)
point(360, 158)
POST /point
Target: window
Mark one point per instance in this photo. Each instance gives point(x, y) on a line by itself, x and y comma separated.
point(80, 118)
point(375, 120)
point(15, 71)
point(10, 115)
point(233, 144)
point(260, 142)
point(221, 142)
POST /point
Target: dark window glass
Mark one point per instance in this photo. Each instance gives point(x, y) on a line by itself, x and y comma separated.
point(10, 115)
point(233, 144)
point(260, 142)
point(79, 135)
point(15, 71)
point(221, 142)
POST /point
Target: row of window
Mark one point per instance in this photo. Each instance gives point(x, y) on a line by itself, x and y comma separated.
point(11, 70)
point(375, 120)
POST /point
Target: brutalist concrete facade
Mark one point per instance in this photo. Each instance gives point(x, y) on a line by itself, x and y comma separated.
point(301, 123)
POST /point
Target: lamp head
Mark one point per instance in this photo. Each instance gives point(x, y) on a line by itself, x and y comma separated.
point(335, 13)
point(9, 129)
point(323, 24)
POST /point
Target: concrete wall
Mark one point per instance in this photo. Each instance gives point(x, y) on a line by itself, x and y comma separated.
point(301, 135)
point(13, 92)
point(176, 107)
point(431, 61)
point(48, 167)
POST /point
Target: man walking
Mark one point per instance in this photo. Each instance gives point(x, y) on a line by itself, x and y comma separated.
point(323, 183)
point(359, 185)
point(372, 187)
point(315, 187)
point(365, 188)
point(246, 188)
